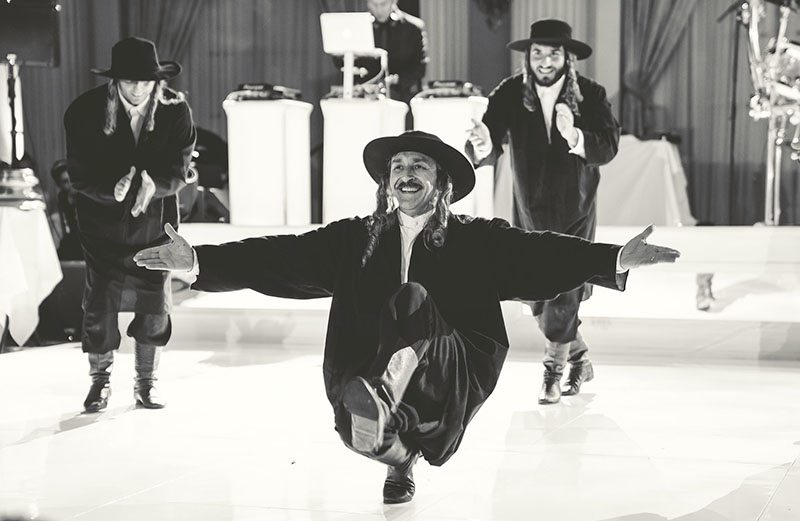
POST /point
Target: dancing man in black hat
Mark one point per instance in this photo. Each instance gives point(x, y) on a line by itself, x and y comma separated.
point(129, 143)
point(561, 130)
point(416, 338)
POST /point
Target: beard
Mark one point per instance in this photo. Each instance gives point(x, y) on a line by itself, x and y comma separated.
point(546, 82)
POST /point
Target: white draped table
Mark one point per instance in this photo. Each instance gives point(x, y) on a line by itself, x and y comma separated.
point(29, 269)
point(645, 183)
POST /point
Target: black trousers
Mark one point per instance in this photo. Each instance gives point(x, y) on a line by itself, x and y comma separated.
point(438, 402)
point(101, 330)
point(558, 318)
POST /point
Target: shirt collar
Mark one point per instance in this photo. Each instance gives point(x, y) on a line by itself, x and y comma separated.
point(141, 108)
point(415, 223)
point(553, 90)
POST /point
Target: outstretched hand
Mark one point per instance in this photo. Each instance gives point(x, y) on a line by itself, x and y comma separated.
point(481, 139)
point(174, 256)
point(637, 252)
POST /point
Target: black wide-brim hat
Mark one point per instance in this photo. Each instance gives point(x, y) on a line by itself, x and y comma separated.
point(379, 152)
point(135, 58)
point(552, 32)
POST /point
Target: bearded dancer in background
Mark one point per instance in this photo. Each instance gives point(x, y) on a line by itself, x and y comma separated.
point(561, 130)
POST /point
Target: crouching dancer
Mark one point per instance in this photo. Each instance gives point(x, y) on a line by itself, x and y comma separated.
point(416, 338)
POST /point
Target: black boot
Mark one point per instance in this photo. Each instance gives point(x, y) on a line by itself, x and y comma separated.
point(399, 485)
point(554, 361)
point(551, 387)
point(144, 390)
point(579, 372)
point(100, 365)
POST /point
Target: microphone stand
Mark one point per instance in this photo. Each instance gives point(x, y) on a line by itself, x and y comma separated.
point(11, 59)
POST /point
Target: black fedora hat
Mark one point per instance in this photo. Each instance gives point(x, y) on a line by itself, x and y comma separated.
point(379, 151)
point(135, 58)
point(552, 32)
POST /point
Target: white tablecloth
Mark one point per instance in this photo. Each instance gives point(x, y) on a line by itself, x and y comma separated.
point(29, 269)
point(645, 183)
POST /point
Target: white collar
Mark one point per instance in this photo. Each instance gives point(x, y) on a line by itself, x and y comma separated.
point(141, 108)
point(415, 223)
point(553, 90)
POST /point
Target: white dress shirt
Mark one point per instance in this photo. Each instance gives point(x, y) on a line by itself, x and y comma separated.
point(410, 227)
point(136, 114)
point(548, 97)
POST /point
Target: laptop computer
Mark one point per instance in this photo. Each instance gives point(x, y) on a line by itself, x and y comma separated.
point(347, 32)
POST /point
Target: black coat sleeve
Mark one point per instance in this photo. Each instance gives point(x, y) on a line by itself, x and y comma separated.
point(290, 266)
point(169, 167)
point(541, 265)
point(598, 124)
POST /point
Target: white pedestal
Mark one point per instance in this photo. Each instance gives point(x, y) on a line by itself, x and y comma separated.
point(269, 160)
point(451, 119)
point(347, 188)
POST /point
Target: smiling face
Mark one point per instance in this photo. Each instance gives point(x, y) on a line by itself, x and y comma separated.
point(136, 91)
point(547, 63)
point(412, 181)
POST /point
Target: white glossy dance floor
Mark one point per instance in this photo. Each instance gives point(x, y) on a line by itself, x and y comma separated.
point(684, 420)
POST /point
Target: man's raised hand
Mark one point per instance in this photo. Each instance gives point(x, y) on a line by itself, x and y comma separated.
point(637, 252)
point(481, 139)
point(123, 185)
point(175, 256)
point(145, 194)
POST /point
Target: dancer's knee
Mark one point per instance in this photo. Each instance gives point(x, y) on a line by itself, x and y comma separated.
point(407, 299)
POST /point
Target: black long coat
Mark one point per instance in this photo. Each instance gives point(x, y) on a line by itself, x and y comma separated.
point(553, 189)
point(481, 263)
point(109, 234)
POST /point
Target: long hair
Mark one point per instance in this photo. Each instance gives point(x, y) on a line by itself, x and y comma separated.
point(572, 94)
point(435, 231)
point(161, 94)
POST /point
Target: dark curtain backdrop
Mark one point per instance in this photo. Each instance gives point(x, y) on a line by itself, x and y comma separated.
point(652, 30)
point(692, 98)
point(171, 26)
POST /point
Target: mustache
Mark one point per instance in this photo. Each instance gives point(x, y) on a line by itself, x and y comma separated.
point(411, 183)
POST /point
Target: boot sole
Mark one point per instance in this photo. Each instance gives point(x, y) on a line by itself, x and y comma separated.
point(367, 418)
point(142, 405)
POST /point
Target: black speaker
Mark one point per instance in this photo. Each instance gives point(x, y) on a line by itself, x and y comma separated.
point(29, 29)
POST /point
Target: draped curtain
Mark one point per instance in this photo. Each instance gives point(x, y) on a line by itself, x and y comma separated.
point(692, 98)
point(171, 26)
point(652, 30)
point(447, 24)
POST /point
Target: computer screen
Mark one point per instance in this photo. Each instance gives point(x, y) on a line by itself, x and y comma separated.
point(347, 32)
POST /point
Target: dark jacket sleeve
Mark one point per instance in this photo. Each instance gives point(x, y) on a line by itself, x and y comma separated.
point(170, 166)
point(498, 118)
point(541, 265)
point(84, 172)
point(598, 124)
point(290, 266)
